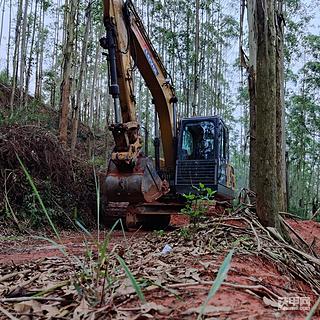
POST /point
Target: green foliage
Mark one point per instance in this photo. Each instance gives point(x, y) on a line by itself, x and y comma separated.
point(30, 116)
point(303, 133)
point(221, 276)
point(159, 233)
point(97, 270)
point(198, 202)
point(98, 161)
point(37, 196)
point(4, 78)
point(185, 233)
point(132, 279)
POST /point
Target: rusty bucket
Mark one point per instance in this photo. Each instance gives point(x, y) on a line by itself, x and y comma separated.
point(137, 184)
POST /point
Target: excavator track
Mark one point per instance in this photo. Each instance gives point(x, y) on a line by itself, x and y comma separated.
point(149, 216)
point(113, 211)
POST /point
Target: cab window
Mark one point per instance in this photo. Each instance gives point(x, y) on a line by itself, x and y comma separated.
point(198, 141)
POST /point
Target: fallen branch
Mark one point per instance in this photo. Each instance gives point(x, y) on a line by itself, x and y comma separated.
point(8, 314)
point(21, 299)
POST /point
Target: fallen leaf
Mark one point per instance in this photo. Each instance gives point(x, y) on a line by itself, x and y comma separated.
point(31, 306)
point(152, 306)
point(81, 310)
point(269, 302)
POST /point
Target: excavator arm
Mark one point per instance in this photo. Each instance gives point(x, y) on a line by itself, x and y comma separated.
point(131, 176)
point(129, 45)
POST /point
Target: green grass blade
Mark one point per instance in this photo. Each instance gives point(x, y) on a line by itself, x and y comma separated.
point(103, 248)
point(113, 227)
point(221, 276)
point(132, 279)
point(55, 244)
point(61, 248)
point(35, 191)
point(82, 227)
point(313, 310)
point(97, 186)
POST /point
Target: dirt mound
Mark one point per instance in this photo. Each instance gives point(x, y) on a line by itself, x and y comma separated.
point(65, 183)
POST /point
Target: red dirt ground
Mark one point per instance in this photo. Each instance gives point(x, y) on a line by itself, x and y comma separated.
point(230, 302)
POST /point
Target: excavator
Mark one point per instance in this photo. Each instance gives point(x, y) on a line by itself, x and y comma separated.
point(195, 150)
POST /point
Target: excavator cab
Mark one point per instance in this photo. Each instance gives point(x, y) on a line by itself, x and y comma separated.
point(203, 157)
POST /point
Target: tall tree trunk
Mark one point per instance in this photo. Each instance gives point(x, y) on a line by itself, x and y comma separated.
point(266, 186)
point(251, 70)
point(196, 60)
point(40, 74)
point(2, 17)
point(54, 88)
point(83, 66)
point(23, 52)
point(31, 53)
point(9, 40)
point(187, 93)
point(38, 49)
point(281, 161)
point(16, 54)
point(93, 88)
point(67, 65)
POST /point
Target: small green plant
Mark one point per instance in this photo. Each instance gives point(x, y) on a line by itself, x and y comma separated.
point(185, 233)
point(198, 202)
point(159, 233)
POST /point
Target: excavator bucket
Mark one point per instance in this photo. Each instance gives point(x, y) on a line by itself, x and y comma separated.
point(137, 184)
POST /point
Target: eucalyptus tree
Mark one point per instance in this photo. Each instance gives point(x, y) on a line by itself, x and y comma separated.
point(15, 65)
point(69, 25)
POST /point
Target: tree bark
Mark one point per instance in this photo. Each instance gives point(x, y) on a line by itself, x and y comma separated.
point(9, 39)
point(30, 59)
point(83, 66)
point(23, 53)
point(280, 136)
point(39, 77)
point(266, 183)
point(251, 70)
point(15, 55)
point(196, 61)
point(67, 65)
point(2, 17)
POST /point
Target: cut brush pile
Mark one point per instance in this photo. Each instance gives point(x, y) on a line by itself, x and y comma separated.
point(66, 184)
point(147, 284)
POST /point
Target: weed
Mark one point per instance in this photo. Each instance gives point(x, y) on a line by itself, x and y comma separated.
point(198, 202)
point(185, 233)
point(159, 233)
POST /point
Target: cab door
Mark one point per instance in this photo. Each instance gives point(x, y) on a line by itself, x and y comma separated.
point(223, 154)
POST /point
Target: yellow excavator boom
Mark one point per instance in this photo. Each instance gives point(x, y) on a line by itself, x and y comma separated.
point(134, 48)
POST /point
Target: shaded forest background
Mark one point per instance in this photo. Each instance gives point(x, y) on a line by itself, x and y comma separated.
point(199, 44)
